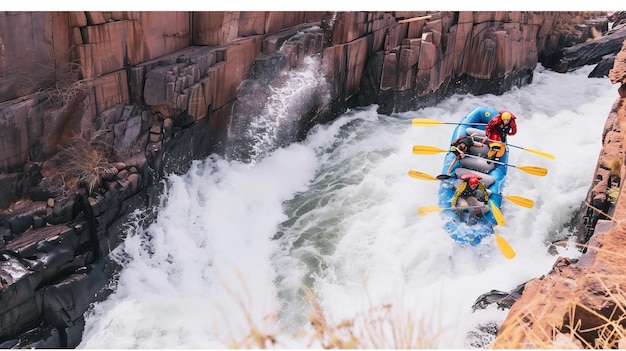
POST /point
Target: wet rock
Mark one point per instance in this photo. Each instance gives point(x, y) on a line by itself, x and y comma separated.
point(502, 299)
point(591, 52)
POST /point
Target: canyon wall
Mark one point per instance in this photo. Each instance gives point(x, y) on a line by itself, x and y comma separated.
point(580, 304)
point(97, 107)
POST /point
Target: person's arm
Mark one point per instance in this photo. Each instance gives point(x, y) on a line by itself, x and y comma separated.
point(454, 149)
point(485, 193)
point(489, 127)
point(452, 163)
point(513, 127)
point(477, 143)
point(456, 195)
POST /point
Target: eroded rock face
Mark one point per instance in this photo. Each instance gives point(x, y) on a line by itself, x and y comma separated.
point(578, 301)
point(601, 197)
point(618, 73)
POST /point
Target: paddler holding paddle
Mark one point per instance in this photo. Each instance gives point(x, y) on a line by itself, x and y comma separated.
point(469, 195)
point(497, 130)
point(460, 146)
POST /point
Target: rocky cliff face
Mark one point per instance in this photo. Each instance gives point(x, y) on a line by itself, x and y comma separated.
point(97, 106)
point(581, 304)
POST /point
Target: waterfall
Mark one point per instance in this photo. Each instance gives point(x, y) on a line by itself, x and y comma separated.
point(272, 106)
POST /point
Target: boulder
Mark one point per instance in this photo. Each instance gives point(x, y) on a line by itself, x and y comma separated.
point(591, 52)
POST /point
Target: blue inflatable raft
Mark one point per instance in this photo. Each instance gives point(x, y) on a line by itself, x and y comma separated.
point(461, 228)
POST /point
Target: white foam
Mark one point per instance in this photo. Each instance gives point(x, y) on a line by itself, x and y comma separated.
point(233, 242)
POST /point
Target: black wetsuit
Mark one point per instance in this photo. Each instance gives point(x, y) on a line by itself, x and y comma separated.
point(467, 140)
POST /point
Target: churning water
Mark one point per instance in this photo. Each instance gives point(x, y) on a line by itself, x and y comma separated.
point(235, 245)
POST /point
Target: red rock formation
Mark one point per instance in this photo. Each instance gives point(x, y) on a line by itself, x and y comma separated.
point(618, 73)
point(583, 301)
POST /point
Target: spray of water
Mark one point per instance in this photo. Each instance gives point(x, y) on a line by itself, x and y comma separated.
point(290, 98)
point(234, 243)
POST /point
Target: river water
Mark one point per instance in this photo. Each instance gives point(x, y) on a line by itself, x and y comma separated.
point(236, 245)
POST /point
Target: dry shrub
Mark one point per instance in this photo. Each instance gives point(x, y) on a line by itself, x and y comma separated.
point(56, 79)
point(595, 33)
point(385, 326)
point(86, 161)
point(612, 194)
point(615, 166)
point(581, 327)
point(529, 330)
point(258, 336)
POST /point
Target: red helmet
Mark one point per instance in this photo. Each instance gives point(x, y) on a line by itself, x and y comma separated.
point(473, 181)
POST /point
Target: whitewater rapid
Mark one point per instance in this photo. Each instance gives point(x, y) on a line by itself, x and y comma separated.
point(235, 244)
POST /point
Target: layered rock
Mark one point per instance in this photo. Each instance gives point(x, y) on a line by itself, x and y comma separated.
point(591, 52)
point(581, 304)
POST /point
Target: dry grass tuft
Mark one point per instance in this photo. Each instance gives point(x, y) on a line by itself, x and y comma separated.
point(85, 161)
point(595, 34)
point(581, 327)
point(612, 194)
point(615, 166)
point(377, 327)
point(56, 79)
point(258, 336)
point(384, 326)
point(603, 326)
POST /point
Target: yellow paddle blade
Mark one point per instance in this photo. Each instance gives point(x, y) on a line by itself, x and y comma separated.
point(534, 170)
point(422, 211)
point(521, 201)
point(540, 153)
point(425, 122)
point(427, 150)
point(420, 175)
point(497, 214)
point(504, 246)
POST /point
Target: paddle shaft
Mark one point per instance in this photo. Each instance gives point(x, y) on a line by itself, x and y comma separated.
point(536, 152)
point(431, 150)
point(534, 170)
point(426, 122)
point(422, 211)
point(460, 208)
point(518, 200)
point(494, 161)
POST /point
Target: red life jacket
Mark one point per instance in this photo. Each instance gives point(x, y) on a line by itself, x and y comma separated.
point(496, 130)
